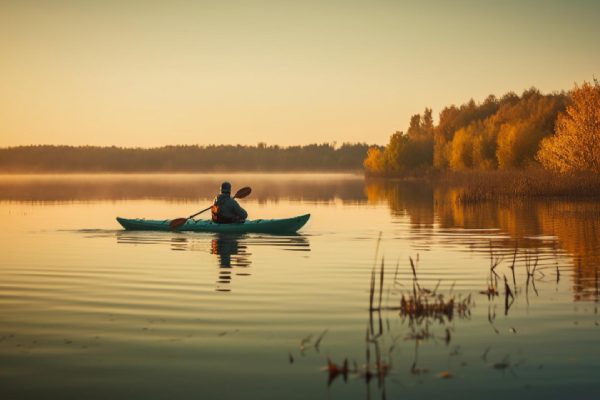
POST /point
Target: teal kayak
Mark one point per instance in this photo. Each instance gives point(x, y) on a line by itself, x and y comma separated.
point(285, 225)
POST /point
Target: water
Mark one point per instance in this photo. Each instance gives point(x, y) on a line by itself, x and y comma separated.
point(88, 310)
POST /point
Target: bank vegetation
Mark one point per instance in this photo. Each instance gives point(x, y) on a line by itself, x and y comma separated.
point(532, 144)
point(68, 159)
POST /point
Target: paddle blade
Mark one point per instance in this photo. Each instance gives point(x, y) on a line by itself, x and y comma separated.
point(243, 192)
point(177, 223)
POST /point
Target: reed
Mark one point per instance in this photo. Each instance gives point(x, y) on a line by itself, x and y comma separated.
point(428, 311)
point(478, 186)
point(420, 302)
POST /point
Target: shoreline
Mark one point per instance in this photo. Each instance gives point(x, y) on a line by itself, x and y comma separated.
point(477, 186)
point(533, 182)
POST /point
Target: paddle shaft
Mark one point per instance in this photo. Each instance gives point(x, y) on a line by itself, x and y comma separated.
point(176, 223)
point(206, 209)
point(200, 212)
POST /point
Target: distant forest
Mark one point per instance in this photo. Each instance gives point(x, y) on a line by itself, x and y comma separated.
point(59, 159)
point(559, 132)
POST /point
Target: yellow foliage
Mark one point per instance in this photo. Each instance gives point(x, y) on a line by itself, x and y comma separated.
point(506, 146)
point(461, 155)
point(375, 161)
point(394, 152)
point(504, 133)
point(576, 144)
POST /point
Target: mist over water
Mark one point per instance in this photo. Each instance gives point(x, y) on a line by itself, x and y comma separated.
point(90, 310)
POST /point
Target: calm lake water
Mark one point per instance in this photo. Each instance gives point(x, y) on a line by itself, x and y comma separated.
point(88, 310)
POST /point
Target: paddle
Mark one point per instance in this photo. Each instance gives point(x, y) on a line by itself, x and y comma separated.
point(178, 222)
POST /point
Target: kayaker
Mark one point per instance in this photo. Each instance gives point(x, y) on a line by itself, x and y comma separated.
point(225, 210)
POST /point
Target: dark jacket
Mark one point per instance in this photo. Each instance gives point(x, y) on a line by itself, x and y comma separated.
point(226, 210)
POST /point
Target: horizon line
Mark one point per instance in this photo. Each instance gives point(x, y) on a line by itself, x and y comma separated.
point(333, 144)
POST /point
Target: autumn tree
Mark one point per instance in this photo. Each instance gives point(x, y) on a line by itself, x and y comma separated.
point(500, 133)
point(523, 125)
point(418, 145)
point(395, 153)
point(461, 156)
point(576, 144)
point(375, 161)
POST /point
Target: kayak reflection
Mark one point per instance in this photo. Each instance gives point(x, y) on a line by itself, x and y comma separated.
point(233, 251)
point(225, 246)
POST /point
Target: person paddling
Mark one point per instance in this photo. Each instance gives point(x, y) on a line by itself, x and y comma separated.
point(225, 210)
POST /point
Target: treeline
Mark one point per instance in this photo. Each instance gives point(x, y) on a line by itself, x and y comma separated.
point(313, 157)
point(560, 131)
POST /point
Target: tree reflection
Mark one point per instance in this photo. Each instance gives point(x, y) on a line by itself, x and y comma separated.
point(413, 199)
point(552, 228)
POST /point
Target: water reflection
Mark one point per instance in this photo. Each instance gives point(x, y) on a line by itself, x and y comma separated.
point(413, 199)
point(235, 259)
point(184, 187)
point(134, 299)
point(232, 256)
point(551, 228)
point(227, 245)
point(437, 326)
point(231, 250)
point(427, 216)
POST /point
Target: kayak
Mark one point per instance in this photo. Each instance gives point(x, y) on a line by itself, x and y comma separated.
point(285, 225)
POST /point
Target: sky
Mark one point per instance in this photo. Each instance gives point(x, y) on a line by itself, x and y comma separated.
point(151, 73)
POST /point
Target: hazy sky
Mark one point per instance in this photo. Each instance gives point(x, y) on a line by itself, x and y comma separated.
point(149, 73)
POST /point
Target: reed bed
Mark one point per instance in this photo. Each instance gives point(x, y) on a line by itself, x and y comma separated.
point(429, 314)
point(477, 186)
point(420, 302)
